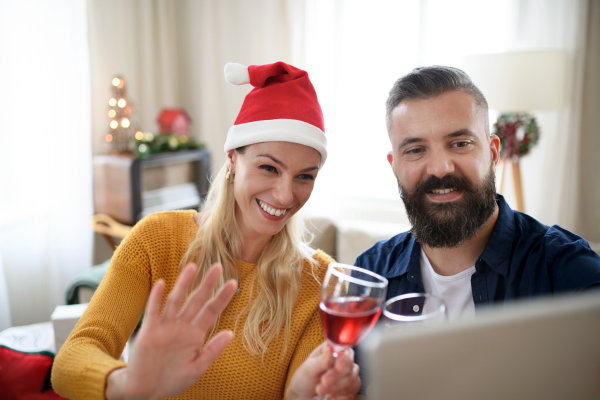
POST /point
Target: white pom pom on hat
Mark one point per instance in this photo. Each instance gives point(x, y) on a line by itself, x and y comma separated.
point(236, 74)
point(282, 107)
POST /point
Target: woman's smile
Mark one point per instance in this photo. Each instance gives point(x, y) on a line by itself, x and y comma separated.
point(270, 212)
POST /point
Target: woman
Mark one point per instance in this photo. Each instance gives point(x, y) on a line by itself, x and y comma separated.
point(260, 340)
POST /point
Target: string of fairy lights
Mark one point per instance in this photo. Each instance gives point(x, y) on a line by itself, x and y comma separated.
point(122, 131)
point(126, 138)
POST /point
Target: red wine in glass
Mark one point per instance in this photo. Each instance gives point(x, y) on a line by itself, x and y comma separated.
point(348, 319)
point(351, 299)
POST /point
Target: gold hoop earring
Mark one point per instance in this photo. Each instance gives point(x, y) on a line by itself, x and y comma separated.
point(229, 177)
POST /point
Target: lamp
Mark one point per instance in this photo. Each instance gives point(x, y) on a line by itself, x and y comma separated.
point(518, 82)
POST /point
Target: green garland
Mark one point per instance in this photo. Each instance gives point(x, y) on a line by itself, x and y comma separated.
point(152, 144)
point(508, 128)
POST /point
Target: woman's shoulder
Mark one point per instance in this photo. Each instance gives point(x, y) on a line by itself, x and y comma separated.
point(173, 217)
point(165, 222)
point(318, 263)
point(322, 258)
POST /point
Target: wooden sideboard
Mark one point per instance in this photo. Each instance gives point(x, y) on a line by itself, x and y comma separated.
point(128, 188)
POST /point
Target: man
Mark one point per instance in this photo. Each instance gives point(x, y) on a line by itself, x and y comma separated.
point(466, 245)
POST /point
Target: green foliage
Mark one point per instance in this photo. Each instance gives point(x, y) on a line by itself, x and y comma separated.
point(152, 144)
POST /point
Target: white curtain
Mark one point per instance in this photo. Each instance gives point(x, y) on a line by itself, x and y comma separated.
point(355, 50)
point(45, 152)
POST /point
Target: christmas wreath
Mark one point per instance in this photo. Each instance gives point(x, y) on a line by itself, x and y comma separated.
point(518, 133)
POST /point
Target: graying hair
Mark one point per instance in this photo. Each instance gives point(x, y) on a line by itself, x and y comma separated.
point(427, 82)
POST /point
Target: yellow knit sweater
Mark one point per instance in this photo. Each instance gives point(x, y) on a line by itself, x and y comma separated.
point(151, 251)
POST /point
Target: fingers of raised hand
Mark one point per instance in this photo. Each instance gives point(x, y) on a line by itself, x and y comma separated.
point(177, 295)
point(213, 307)
point(153, 305)
point(212, 350)
point(202, 293)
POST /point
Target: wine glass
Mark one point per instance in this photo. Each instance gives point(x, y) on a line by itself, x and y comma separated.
point(414, 309)
point(351, 299)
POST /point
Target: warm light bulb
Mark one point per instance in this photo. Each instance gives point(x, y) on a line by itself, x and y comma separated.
point(148, 136)
point(116, 82)
point(114, 124)
point(112, 102)
point(112, 113)
point(139, 135)
point(108, 137)
point(125, 123)
point(122, 103)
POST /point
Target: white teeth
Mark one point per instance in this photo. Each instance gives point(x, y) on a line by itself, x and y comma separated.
point(271, 210)
point(442, 191)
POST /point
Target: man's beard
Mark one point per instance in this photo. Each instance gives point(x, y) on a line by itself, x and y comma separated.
point(452, 223)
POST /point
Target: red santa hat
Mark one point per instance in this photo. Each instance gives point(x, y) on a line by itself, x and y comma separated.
point(282, 107)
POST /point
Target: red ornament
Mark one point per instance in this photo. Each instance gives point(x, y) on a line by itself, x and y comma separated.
point(174, 120)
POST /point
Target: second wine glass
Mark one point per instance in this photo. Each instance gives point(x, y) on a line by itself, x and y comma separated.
point(414, 310)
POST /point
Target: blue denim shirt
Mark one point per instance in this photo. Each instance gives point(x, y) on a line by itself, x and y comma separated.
point(523, 258)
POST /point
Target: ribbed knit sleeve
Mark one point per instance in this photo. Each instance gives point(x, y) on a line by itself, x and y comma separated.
point(92, 350)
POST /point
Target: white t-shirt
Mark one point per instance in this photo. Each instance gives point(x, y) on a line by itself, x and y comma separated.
point(455, 290)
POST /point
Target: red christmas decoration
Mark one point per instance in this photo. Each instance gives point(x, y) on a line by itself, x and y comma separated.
point(174, 120)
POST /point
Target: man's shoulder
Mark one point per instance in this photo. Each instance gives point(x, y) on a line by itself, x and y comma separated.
point(560, 241)
point(547, 235)
point(566, 255)
point(529, 225)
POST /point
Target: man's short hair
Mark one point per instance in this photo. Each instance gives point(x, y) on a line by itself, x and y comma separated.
point(427, 82)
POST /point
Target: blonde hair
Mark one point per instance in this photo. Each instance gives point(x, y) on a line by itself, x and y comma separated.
point(278, 269)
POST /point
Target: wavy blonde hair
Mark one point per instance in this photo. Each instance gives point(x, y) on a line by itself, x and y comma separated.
point(278, 269)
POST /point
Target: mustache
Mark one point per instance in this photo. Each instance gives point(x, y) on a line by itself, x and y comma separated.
point(448, 181)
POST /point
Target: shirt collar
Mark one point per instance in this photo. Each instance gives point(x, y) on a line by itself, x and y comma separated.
point(497, 252)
